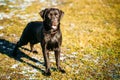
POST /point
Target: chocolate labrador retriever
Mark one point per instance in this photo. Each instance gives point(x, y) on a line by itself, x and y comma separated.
point(48, 33)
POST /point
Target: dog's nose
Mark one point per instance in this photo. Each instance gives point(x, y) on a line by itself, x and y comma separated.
point(54, 19)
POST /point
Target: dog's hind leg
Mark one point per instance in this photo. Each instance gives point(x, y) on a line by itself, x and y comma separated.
point(15, 49)
point(32, 48)
point(19, 44)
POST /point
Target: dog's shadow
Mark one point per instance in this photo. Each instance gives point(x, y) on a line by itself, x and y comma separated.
point(7, 47)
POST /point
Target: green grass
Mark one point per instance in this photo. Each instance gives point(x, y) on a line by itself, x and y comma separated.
point(91, 41)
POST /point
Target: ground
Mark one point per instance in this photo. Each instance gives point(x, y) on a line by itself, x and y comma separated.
point(91, 40)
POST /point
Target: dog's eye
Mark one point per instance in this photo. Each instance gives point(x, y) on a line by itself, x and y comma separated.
point(50, 14)
point(56, 14)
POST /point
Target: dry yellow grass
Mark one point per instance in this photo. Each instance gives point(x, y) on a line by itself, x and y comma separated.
point(91, 41)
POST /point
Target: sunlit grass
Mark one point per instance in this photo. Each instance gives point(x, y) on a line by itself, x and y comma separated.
point(91, 40)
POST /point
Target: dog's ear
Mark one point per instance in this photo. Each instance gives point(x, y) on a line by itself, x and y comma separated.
point(61, 13)
point(43, 13)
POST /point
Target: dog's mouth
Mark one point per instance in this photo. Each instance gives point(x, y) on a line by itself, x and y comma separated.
point(54, 25)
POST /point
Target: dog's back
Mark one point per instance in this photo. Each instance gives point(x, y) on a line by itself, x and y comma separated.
point(32, 33)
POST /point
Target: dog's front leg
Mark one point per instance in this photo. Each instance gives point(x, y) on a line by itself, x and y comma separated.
point(46, 60)
point(57, 57)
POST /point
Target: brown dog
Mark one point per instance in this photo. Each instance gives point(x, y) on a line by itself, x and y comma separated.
point(48, 33)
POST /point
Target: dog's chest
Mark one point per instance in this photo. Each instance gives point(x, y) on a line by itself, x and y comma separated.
point(52, 41)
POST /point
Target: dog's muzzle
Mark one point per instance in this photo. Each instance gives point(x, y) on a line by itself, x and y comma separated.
point(54, 24)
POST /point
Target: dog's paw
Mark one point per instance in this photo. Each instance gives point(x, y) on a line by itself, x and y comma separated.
point(35, 51)
point(48, 73)
point(62, 71)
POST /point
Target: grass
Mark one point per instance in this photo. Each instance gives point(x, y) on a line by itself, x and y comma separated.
point(90, 48)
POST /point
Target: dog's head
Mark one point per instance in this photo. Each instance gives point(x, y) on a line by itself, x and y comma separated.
point(51, 17)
